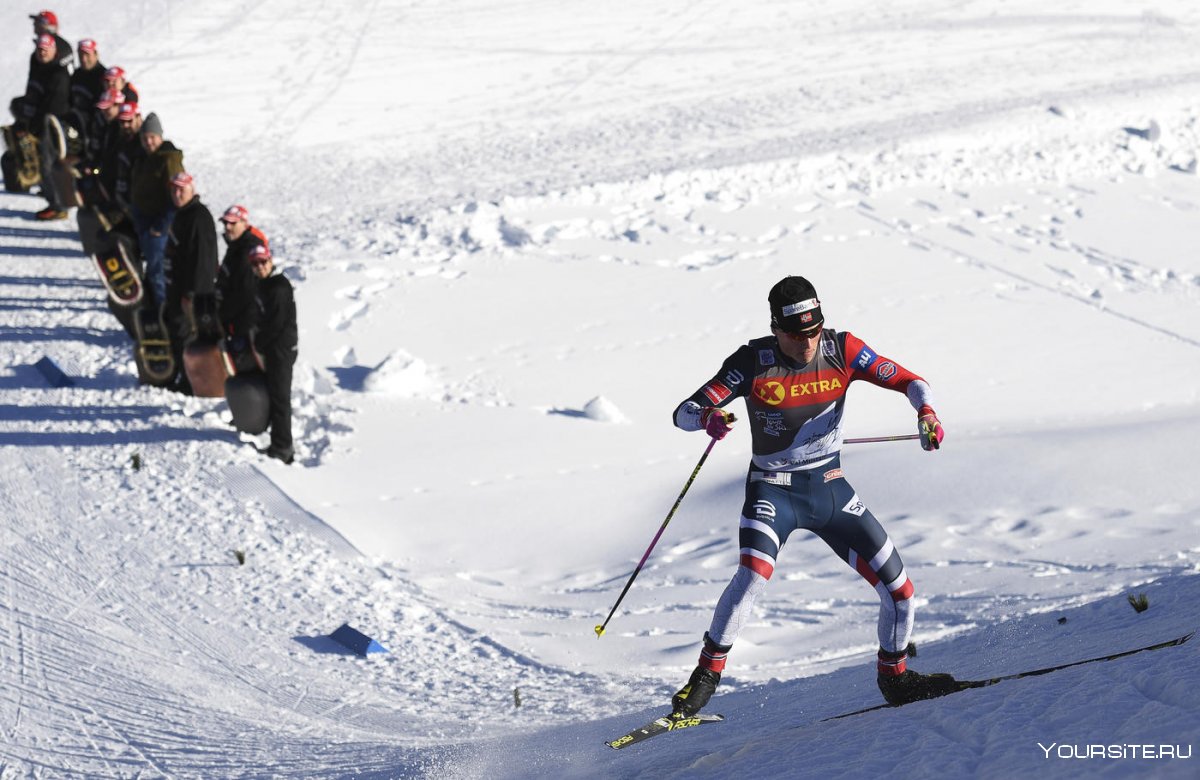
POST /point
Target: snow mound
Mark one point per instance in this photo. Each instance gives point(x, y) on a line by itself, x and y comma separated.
point(603, 410)
point(400, 374)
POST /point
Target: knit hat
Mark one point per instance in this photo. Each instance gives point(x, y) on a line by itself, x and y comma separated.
point(152, 124)
point(45, 41)
point(182, 179)
point(128, 111)
point(87, 44)
point(114, 73)
point(794, 306)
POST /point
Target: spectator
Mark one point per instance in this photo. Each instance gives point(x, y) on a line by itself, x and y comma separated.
point(192, 251)
point(114, 78)
point(46, 23)
point(122, 150)
point(46, 93)
point(276, 340)
point(87, 82)
point(153, 210)
point(236, 282)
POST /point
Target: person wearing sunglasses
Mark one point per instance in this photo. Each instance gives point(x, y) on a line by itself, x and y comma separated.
point(794, 383)
point(276, 340)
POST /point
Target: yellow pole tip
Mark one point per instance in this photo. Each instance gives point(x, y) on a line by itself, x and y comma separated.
point(599, 631)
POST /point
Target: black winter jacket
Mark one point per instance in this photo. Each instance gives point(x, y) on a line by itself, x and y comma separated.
point(277, 337)
point(191, 254)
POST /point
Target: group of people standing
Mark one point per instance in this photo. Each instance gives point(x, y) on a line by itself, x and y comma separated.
point(99, 154)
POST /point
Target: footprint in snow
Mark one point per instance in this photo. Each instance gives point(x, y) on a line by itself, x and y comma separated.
point(342, 319)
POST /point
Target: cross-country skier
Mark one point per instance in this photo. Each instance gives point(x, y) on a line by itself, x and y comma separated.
point(794, 382)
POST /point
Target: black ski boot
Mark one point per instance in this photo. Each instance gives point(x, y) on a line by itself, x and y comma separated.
point(692, 697)
point(909, 686)
point(913, 686)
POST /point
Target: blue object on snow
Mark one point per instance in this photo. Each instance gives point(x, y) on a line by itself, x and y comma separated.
point(356, 640)
point(54, 375)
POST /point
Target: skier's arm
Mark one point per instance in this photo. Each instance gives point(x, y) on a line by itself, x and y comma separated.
point(867, 364)
point(732, 381)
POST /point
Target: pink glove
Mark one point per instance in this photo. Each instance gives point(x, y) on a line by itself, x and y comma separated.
point(717, 423)
point(930, 429)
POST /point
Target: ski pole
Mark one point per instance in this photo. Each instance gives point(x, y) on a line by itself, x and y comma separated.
point(870, 439)
point(600, 628)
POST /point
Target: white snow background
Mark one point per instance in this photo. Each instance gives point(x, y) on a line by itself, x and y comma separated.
point(520, 234)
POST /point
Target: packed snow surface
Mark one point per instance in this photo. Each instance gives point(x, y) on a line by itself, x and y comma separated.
point(520, 235)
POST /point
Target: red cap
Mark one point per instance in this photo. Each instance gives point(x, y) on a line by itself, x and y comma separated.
point(110, 98)
point(87, 44)
point(236, 213)
point(46, 41)
point(114, 73)
point(128, 111)
point(259, 252)
point(182, 179)
point(45, 17)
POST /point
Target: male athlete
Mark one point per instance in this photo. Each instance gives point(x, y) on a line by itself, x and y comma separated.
point(794, 382)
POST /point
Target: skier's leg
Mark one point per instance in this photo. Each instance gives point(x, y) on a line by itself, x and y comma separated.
point(765, 523)
point(858, 538)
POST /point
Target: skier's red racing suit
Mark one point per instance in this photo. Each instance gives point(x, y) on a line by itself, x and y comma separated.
point(795, 479)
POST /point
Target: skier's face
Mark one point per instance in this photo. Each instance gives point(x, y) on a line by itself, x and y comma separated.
point(798, 346)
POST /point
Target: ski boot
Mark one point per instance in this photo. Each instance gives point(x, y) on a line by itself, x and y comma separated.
point(900, 685)
point(692, 697)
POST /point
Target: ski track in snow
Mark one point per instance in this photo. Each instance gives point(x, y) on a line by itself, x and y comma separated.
point(553, 210)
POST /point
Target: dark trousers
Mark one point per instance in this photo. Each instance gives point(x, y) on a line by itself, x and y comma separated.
point(279, 393)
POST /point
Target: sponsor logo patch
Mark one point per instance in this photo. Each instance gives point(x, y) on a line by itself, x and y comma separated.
point(764, 508)
point(833, 474)
point(885, 370)
point(865, 358)
point(717, 392)
point(774, 393)
point(766, 357)
point(802, 306)
point(855, 506)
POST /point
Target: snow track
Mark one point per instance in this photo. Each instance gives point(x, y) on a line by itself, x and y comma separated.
point(493, 213)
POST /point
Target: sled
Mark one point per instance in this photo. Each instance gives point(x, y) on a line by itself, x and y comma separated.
point(119, 275)
point(205, 370)
point(22, 168)
point(246, 395)
point(152, 352)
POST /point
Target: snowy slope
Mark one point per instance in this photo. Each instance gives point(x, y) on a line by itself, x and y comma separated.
point(495, 215)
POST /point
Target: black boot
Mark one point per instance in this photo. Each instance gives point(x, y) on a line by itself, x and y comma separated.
point(692, 697)
point(911, 686)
